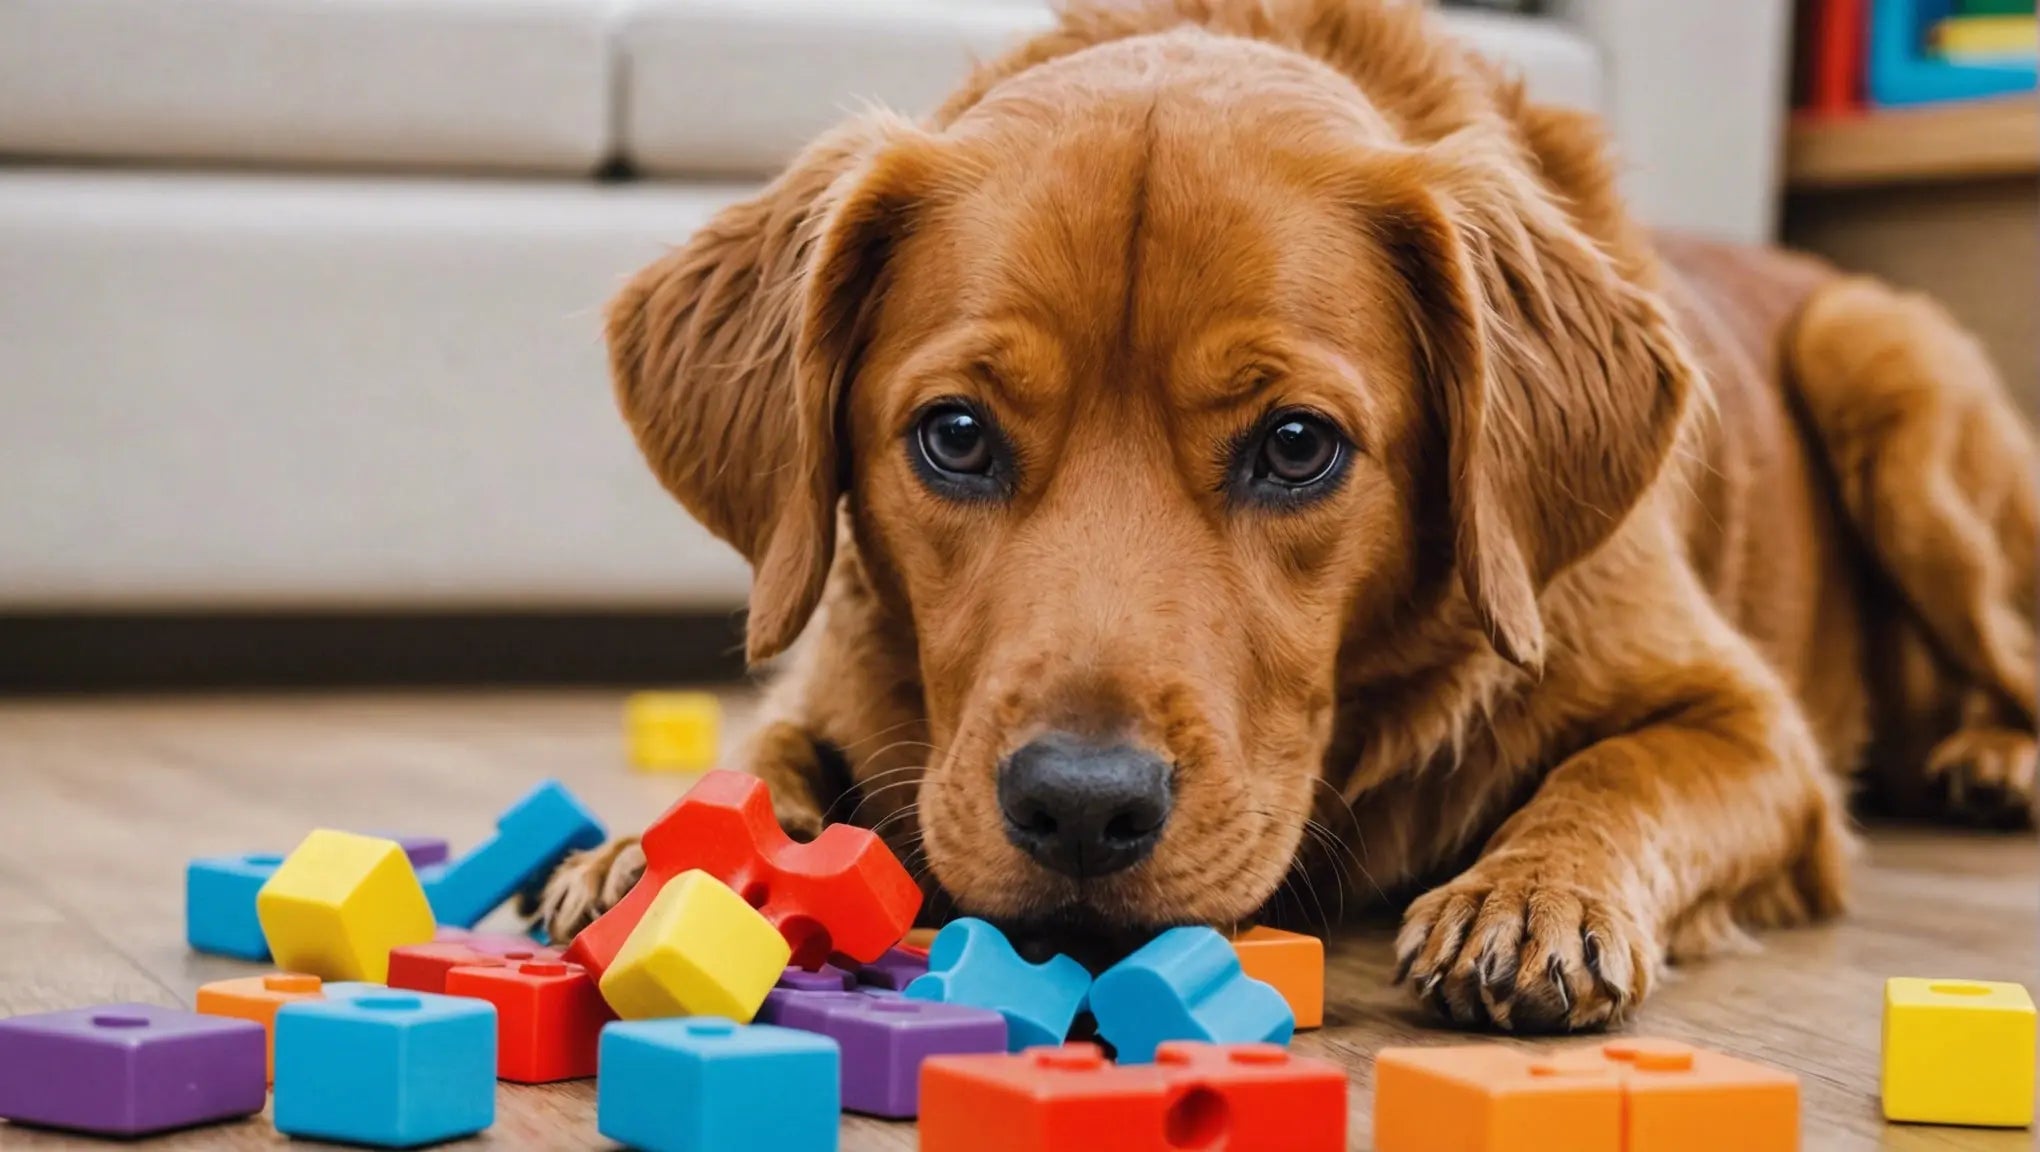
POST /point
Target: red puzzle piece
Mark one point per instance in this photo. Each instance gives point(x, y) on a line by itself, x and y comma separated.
point(549, 1017)
point(423, 967)
point(845, 893)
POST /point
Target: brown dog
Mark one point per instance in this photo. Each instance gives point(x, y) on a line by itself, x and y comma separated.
point(1232, 421)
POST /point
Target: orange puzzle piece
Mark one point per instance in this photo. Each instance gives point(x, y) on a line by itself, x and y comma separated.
point(257, 998)
point(1294, 964)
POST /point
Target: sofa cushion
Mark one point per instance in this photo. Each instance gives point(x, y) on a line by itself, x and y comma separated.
point(738, 86)
point(495, 84)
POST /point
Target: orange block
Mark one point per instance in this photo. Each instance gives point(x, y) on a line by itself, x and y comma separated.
point(257, 998)
point(1487, 1098)
point(1294, 964)
point(1685, 1099)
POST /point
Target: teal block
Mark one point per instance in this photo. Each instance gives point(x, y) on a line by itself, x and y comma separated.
point(392, 1069)
point(1185, 984)
point(219, 904)
point(530, 838)
point(972, 963)
point(704, 1084)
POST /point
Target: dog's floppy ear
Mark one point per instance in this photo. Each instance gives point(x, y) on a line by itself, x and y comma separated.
point(1556, 373)
point(732, 353)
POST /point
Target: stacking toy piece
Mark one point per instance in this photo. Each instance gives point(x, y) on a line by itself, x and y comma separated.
point(1252, 1098)
point(338, 904)
point(1185, 984)
point(129, 1069)
point(256, 999)
point(699, 951)
point(672, 731)
point(423, 967)
point(797, 984)
point(710, 1085)
point(393, 1069)
point(532, 836)
point(886, 1038)
point(549, 1017)
point(1291, 964)
point(844, 892)
point(1958, 1052)
point(893, 971)
point(219, 904)
point(972, 963)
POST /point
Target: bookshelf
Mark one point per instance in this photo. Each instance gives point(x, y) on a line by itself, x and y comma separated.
point(1998, 137)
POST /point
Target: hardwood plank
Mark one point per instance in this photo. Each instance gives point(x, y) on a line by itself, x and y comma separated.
point(1942, 142)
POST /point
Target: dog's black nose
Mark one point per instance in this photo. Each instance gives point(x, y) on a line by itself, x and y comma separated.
point(1083, 809)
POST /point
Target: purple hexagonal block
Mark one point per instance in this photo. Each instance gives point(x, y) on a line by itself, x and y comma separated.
point(885, 1038)
point(893, 971)
point(130, 1069)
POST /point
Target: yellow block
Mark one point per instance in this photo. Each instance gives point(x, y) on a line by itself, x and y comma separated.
point(672, 731)
point(1958, 1052)
point(699, 951)
point(1987, 35)
point(339, 903)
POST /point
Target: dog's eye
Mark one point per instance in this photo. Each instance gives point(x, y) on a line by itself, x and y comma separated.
point(1298, 450)
point(955, 441)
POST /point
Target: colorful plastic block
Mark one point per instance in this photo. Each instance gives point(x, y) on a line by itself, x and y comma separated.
point(549, 1017)
point(972, 963)
point(129, 1069)
point(423, 967)
point(885, 1039)
point(393, 1069)
point(844, 892)
point(1958, 1052)
point(1292, 964)
point(1252, 1098)
point(339, 903)
point(535, 834)
point(699, 951)
point(1185, 984)
point(219, 904)
point(1042, 1100)
point(1678, 1098)
point(257, 998)
point(796, 983)
point(672, 731)
point(423, 851)
point(710, 1085)
point(893, 971)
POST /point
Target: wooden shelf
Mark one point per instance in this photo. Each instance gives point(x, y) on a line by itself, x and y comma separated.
point(1895, 146)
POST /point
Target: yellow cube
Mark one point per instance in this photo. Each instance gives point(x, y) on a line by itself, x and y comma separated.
point(699, 951)
point(339, 903)
point(672, 731)
point(1958, 1052)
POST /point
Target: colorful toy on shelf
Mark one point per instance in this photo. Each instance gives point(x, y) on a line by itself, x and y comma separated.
point(708, 1085)
point(1185, 984)
point(549, 1017)
point(972, 963)
point(672, 731)
point(1958, 1052)
point(843, 893)
point(1901, 71)
point(338, 903)
point(129, 1069)
point(1292, 964)
point(532, 836)
point(885, 1040)
point(700, 950)
point(393, 1069)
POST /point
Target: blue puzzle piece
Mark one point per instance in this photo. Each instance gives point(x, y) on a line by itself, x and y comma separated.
point(219, 904)
point(704, 1084)
point(972, 963)
point(393, 1069)
point(530, 838)
point(1185, 984)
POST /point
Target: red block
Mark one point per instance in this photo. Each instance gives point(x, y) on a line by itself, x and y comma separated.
point(549, 1017)
point(1252, 1098)
point(844, 893)
point(423, 967)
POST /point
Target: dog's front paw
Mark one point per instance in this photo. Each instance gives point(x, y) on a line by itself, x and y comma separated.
point(1512, 950)
point(587, 884)
point(1986, 776)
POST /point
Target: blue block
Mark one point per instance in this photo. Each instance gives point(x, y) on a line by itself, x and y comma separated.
point(704, 1084)
point(1900, 71)
point(219, 904)
point(530, 838)
point(393, 1069)
point(1185, 984)
point(972, 963)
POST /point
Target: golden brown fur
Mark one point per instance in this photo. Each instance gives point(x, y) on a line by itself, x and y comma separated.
point(1643, 543)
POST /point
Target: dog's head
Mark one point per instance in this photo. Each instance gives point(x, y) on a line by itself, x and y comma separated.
point(1156, 374)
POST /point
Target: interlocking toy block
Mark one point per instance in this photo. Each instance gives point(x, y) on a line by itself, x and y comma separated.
point(129, 1069)
point(796, 983)
point(1042, 1100)
point(1292, 964)
point(1185, 984)
point(532, 836)
point(710, 1085)
point(1678, 1098)
point(699, 951)
point(893, 971)
point(972, 963)
point(423, 851)
point(256, 998)
point(885, 1039)
point(844, 892)
point(423, 967)
point(672, 731)
point(339, 903)
point(219, 904)
point(394, 1069)
point(1252, 1098)
point(549, 1017)
point(1958, 1052)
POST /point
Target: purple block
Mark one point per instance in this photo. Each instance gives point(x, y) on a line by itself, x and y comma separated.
point(130, 1069)
point(799, 983)
point(423, 850)
point(885, 1038)
point(893, 971)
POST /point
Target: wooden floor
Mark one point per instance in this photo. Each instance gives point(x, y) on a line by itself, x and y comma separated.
point(102, 802)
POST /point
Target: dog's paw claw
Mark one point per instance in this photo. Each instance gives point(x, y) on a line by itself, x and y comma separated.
point(587, 884)
point(1986, 776)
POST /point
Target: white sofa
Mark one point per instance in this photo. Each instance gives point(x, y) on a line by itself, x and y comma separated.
point(299, 298)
